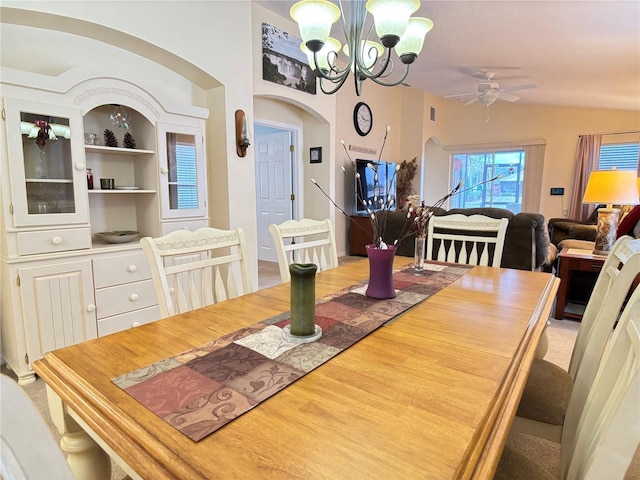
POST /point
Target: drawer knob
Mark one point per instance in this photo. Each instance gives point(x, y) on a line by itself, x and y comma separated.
point(164, 170)
point(56, 240)
point(91, 307)
point(133, 297)
point(135, 324)
point(132, 268)
point(80, 166)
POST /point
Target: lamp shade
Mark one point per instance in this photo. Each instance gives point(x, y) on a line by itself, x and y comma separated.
point(612, 187)
point(412, 40)
point(314, 18)
point(391, 18)
point(325, 58)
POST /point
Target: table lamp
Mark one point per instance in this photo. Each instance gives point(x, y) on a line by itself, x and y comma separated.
point(610, 187)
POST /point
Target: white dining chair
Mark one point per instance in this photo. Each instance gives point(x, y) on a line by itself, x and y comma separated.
point(607, 434)
point(472, 240)
point(304, 241)
point(194, 269)
point(544, 407)
point(27, 448)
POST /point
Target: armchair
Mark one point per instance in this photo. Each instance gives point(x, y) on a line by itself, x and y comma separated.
point(563, 228)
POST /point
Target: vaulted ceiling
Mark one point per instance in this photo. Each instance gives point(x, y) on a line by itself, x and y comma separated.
point(578, 53)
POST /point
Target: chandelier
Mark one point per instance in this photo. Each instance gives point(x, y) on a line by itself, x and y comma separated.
point(366, 59)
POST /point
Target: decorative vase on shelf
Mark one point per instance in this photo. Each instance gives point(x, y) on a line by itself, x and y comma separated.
point(380, 272)
point(418, 255)
point(302, 327)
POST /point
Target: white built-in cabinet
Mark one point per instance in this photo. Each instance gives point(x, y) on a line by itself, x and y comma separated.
point(60, 283)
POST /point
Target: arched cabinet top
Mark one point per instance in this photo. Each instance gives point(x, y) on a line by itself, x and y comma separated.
point(77, 88)
point(92, 93)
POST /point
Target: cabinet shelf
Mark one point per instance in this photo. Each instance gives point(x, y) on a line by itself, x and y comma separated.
point(120, 192)
point(117, 150)
point(48, 180)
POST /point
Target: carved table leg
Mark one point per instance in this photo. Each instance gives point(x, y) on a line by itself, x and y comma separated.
point(85, 457)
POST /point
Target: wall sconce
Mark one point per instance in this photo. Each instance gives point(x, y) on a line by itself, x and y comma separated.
point(242, 134)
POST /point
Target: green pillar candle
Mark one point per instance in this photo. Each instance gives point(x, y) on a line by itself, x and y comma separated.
point(303, 298)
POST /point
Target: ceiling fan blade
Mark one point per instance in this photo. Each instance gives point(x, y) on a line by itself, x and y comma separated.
point(474, 99)
point(508, 97)
point(461, 95)
point(519, 87)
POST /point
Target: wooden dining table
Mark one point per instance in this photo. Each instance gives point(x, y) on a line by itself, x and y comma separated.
point(430, 395)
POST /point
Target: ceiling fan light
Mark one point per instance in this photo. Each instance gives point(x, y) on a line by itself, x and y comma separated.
point(487, 98)
point(314, 18)
point(369, 53)
point(326, 59)
point(391, 18)
point(411, 43)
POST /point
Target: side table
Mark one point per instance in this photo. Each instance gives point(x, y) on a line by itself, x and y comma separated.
point(572, 260)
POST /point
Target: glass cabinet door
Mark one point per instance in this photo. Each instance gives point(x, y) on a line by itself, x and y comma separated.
point(182, 172)
point(46, 164)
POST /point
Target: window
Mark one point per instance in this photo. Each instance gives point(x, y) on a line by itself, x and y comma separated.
point(623, 156)
point(187, 179)
point(475, 168)
point(183, 180)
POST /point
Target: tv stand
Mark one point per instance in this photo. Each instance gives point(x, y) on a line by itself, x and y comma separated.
point(357, 237)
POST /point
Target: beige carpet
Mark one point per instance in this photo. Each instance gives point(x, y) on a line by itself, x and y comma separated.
point(561, 339)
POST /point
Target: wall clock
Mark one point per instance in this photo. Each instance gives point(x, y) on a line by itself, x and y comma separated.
point(362, 118)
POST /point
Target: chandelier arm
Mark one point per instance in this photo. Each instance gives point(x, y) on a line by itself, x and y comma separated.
point(343, 19)
point(338, 74)
point(385, 62)
point(393, 84)
point(338, 85)
point(357, 79)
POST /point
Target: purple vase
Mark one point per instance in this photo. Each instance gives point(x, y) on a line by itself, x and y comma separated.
point(380, 272)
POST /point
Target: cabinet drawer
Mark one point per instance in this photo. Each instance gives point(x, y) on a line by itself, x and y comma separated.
point(125, 298)
point(119, 269)
point(136, 318)
point(49, 241)
point(590, 266)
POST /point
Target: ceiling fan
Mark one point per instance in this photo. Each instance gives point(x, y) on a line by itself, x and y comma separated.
point(490, 91)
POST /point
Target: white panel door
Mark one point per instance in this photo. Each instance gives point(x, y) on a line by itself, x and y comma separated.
point(273, 187)
point(58, 305)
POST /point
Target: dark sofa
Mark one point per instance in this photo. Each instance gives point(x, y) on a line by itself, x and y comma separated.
point(526, 246)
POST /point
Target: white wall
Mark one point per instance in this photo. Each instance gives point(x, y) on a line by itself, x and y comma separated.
point(559, 126)
point(191, 38)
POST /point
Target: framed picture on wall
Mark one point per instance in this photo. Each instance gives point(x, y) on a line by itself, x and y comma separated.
point(283, 62)
point(315, 154)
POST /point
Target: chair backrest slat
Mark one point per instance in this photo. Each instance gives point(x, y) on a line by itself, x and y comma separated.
point(610, 290)
point(194, 269)
point(608, 432)
point(313, 241)
point(458, 239)
point(603, 309)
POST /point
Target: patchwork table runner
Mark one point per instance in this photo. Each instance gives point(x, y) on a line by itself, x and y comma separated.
point(203, 389)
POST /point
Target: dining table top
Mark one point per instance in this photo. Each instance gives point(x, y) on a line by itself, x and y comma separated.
point(430, 395)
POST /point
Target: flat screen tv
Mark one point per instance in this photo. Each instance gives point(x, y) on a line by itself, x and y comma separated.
point(367, 188)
